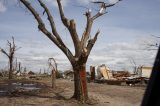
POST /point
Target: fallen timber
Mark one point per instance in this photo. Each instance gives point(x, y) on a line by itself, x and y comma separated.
point(109, 82)
point(140, 81)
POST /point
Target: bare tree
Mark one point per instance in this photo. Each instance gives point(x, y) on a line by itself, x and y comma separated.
point(19, 69)
point(53, 65)
point(10, 54)
point(82, 46)
point(132, 61)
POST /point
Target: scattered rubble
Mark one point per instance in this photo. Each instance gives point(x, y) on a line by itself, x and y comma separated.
point(105, 75)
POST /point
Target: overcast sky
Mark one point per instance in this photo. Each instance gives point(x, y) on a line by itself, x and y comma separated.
point(125, 31)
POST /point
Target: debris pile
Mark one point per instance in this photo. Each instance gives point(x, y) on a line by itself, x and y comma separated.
point(120, 75)
point(105, 75)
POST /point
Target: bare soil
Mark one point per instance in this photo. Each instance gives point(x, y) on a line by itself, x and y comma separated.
point(100, 95)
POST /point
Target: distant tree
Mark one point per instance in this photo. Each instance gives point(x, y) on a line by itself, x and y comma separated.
point(53, 65)
point(82, 46)
point(15, 65)
point(40, 71)
point(10, 54)
point(133, 62)
point(24, 72)
point(19, 68)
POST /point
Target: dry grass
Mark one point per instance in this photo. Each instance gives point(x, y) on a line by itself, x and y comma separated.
point(100, 95)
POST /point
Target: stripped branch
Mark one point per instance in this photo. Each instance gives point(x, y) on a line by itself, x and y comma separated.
point(91, 43)
point(87, 30)
point(54, 38)
point(86, 34)
point(51, 20)
point(65, 21)
point(71, 26)
point(98, 15)
point(52, 65)
point(155, 36)
point(4, 52)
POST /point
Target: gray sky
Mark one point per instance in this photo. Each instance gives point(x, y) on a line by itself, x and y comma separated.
point(125, 30)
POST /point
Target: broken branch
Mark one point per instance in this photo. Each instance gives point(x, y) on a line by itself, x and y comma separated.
point(42, 27)
point(71, 26)
point(91, 43)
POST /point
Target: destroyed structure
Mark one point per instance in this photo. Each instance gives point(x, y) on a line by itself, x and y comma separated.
point(144, 71)
point(104, 72)
point(105, 75)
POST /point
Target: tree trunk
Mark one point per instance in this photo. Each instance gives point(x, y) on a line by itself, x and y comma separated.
point(53, 79)
point(10, 69)
point(92, 71)
point(80, 83)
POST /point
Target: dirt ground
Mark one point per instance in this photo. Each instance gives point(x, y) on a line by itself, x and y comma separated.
point(100, 95)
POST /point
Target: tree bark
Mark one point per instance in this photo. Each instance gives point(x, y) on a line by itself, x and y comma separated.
point(80, 83)
point(92, 71)
point(53, 78)
point(10, 68)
